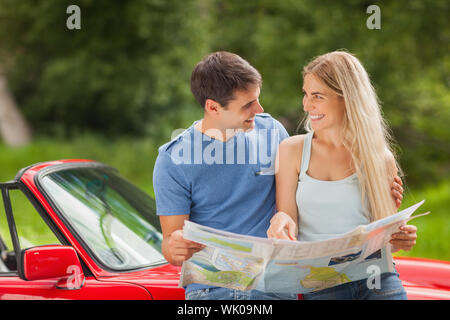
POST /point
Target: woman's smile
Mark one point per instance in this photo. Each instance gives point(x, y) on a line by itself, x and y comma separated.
point(316, 117)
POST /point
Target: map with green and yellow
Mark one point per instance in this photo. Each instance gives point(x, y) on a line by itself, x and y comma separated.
point(323, 277)
point(243, 262)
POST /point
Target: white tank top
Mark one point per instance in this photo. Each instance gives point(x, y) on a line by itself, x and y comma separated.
point(330, 208)
point(326, 208)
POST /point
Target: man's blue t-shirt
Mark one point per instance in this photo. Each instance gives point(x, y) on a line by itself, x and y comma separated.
point(225, 185)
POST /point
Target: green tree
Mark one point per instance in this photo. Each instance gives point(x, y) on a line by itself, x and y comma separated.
point(407, 59)
point(126, 71)
point(128, 64)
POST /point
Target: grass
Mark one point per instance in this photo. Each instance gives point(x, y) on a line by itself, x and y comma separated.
point(135, 158)
point(433, 230)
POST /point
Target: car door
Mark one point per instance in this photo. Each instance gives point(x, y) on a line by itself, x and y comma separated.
point(14, 288)
point(24, 225)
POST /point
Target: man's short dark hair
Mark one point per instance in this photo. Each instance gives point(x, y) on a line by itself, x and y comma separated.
point(219, 75)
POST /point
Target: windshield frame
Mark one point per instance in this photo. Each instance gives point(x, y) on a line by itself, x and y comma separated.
point(61, 215)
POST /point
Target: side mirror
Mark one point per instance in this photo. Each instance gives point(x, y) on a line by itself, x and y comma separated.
point(53, 261)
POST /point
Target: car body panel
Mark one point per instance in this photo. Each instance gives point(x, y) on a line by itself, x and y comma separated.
point(422, 278)
point(161, 282)
point(14, 288)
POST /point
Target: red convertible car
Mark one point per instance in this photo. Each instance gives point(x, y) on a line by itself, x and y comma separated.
point(99, 238)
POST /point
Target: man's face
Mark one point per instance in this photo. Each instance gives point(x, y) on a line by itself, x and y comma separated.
point(240, 112)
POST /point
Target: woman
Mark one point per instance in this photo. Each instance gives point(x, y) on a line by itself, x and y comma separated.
point(338, 175)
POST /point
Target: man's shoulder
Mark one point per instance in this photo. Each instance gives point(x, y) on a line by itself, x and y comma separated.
point(182, 137)
point(265, 120)
point(263, 115)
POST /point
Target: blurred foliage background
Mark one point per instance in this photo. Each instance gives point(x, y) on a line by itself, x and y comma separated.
point(117, 88)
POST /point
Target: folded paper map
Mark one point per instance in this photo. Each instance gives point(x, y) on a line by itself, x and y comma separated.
point(271, 265)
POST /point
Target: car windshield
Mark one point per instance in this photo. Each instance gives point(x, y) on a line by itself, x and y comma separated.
point(114, 218)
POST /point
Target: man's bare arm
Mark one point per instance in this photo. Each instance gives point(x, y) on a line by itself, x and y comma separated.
point(175, 248)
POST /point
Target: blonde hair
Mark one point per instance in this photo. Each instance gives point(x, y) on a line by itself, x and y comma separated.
point(365, 133)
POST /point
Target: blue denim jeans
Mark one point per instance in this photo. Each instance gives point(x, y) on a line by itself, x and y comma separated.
point(231, 294)
point(390, 288)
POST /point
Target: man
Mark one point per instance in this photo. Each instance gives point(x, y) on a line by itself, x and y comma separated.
point(220, 171)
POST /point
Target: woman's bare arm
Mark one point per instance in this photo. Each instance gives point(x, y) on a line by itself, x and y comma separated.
point(284, 224)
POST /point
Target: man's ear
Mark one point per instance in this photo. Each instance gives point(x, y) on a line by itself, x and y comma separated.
point(212, 107)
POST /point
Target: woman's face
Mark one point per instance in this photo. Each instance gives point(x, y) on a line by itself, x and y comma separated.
point(325, 108)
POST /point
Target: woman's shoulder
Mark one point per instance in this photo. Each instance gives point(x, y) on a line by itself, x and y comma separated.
point(293, 141)
point(290, 151)
point(292, 146)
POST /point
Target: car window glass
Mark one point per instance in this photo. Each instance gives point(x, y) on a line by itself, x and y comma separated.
point(31, 229)
point(4, 230)
point(5, 241)
point(114, 218)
